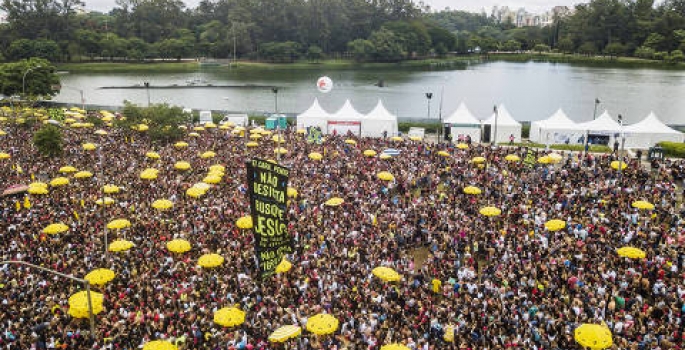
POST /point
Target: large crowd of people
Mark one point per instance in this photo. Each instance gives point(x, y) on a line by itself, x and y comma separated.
point(502, 282)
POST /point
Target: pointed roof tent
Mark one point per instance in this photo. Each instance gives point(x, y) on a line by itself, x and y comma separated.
point(314, 111)
point(380, 113)
point(462, 115)
point(603, 123)
point(558, 121)
point(346, 112)
point(503, 117)
point(652, 125)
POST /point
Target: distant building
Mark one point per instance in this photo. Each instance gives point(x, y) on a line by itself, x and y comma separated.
point(523, 18)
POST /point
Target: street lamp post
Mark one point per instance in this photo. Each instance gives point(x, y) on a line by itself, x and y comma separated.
point(23, 80)
point(147, 91)
point(429, 96)
point(79, 280)
point(494, 138)
point(594, 114)
point(275, 91)
point(620, 156)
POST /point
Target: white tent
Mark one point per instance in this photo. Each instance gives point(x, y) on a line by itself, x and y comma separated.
point(556, 129)
point(345, 120)
point(314, 116)
point(650, 131)
point(506, 126)
point(379, 122)
point(462, 123)
point(604, 125)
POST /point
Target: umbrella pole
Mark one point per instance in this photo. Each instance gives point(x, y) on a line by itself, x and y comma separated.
point(90, 311)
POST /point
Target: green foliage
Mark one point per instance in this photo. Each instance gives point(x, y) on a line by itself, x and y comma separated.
point(588, 48)
point(286, 52)
point(163, 120)
point(24, 49)
point(644, 52)
point(36, 74)
point(362, 50)
point(676, 56)
point(314, 53)
point(430, 127)
point(615, 49)
point(48, 140)
point(525, 130)
point(387, 46)
point(673, 149)
point(566, 45)
point(510, 46)
point(540, 48)
point(579, 148)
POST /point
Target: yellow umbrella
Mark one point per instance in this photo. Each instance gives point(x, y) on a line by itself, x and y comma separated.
point(4, 155)
point(490, 211)
point(229, 317)
point(643, 205)
point(462, 146)
point(385, 156)
point(120, 246)
point(37, 190)
point(199, 128)
point(178, 246)
point(216, 173)
point(280, 150)
point(545, 160)
point(252, 144)
point(67, 169)
point(322, 324)
point(195, 192)
point(315, 156)
point(105, 201)
point(100, 131)
point(370, 153)
point(386, 274)
point(181, 144)
point(55, 228)
point(210, 260)
point(38, 184)
point(217, 168)
point(149, 174)
point(225, 126)
point(396, 138)
point(443, 153)
point(415, 138)
point(212, 179)
point(614, 165)
point(142, 127)
point(385, 176)
point(631, 252)
point(284, 333)
point(478, 160)
point(350, 142)
point(334, 202)
point(118, 224)
point(284, 266)
point(472, 190)
point(159, 345)
point(291, 192)
point(593, 336)
point(512, 158)
point(301, 131)
point(100, 276)
point(59, 181)
point(78, 304)
point(109, 189)
point(556, 157)
point(255, 136)
point(278, 139)
point(555, 225)
point(162, 204)
point(89, 146)
point(152, 155)
point(194, 134)
point(210, 125)
point(182, 166)
point(83, 174)
point(202, 187)
point(394, 346)
point(244, 222)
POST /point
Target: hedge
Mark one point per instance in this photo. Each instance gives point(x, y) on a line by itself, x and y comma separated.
point(673, 149)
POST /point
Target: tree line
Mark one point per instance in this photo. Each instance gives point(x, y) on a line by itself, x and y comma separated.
point(288, 30)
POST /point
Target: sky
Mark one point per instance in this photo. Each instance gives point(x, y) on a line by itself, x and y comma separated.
point(535, 6)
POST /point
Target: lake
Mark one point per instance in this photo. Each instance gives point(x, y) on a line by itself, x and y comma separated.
point(530, 91)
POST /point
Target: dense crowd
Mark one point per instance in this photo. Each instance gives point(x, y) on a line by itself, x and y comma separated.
point(500, 282)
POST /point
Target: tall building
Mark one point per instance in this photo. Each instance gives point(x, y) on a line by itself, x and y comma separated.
point(523, 18)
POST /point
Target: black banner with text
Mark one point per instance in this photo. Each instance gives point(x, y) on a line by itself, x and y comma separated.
point(268, 185)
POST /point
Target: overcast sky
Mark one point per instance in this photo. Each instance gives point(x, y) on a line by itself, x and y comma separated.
point(536, 6)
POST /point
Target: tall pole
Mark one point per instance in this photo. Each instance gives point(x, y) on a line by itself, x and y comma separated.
point(442, 127)
point(494, 139)
point(278, 125)
point(429, 96)
point(83, 101)
point(594, 114)
point(147, 90)
point(275, 91)
point(620, 156)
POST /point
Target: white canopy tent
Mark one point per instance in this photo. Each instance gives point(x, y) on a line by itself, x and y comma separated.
point(346, 119)
point(600, 128)
point(506, 126)
point(379, 122)
point(462, 123)
point(314, 116)
point(556, 129)
point(650, 131)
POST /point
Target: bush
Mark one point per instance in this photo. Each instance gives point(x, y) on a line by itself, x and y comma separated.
point(48, 140)
point(430, 127)
point(525, 130)
point(578, 148)
point(673, 149)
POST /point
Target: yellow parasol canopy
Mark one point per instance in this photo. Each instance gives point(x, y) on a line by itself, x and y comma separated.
point(280, 150)
point(284, 266)
point(67, 169)
point(210, 260)
point(105, 201)
point(631, 252)
point(415, 138)
point(472, 190)
point(199, 128)
point(120, 246)
point(229, 317)
point(109, 189)
point(478, 160)
point(162, 204)
point(78, 304)
point(152, 155)
point(178, 246)
point(370, 153)
point(83, 174)
point(614, 165)
point(490, 211)
point(334, 202)
point(59, 181)
point(89, 146)
point(159, 345)
point(385, 156)
point(555, 225)
point(141, 127)
point(284, 333)
point(385, 176)
point(443, 154)
point(252, 144)
point(210, 125)
point(182, 166)
point(394, 346)
point(118, 224)
point(350, 142)
point(278, 139)
point(149, 174)
point(217, 168)
point(100, 276)
point(512, 158)
point(322, 324)
point(396, 138)
point(208, 154)
point(181, 144)
point(386, 274)
point(38, 184)
point(462, 146)
point(100, 131)
point(244, 222)
point(212, 179)
point(545, 160)
point(593, 336)
point(4, 155)
point(55, 228)
point(643, 205)
point(315, 156)
point(37, 190)
point(195, 192)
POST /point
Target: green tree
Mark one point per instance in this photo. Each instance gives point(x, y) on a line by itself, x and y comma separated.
point(644, 52)
point(48, 140)
point(615, 49)
point(314, 53)
point(163, 120)
point(588, 48)
point(37, 75)
point(362, 50)
point(565, 45)
point(655, 41)
point(387, 46)
point(676, 56)
point(540, 48)
point(510, 46)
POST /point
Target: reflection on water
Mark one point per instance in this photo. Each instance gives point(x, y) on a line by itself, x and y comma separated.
point(531, 91)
